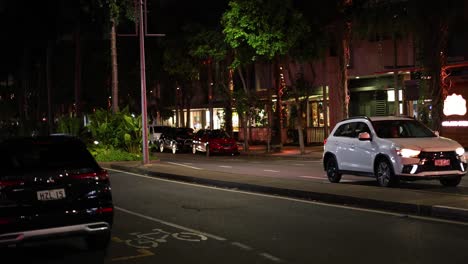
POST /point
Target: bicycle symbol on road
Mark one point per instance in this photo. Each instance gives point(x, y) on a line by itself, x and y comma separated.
point(157, 236)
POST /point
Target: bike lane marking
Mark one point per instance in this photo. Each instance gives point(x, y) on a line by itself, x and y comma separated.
point(236, 244)
point(170, 224)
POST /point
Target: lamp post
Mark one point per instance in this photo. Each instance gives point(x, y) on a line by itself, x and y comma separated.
point(144, 112)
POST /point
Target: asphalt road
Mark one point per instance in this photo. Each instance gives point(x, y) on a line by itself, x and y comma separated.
point(159, 221)
point(290, 168)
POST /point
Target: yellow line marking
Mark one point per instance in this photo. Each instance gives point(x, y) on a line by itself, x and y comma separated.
point(116, 239)
point(143, 253)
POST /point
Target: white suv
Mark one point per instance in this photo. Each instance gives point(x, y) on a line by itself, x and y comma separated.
point(390, 149)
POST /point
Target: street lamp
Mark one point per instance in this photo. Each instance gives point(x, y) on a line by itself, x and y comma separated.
point(144, 112)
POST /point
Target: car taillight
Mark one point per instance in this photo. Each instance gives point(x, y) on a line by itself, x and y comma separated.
point(324, 142)
point(4, 221)
point(101, 175)
point(8, 183)
point(105, 210)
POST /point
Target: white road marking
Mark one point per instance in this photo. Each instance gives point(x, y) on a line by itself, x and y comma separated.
point(227, 167)
point(294, 199)
point(170, 224)
point(297, 164)
point(270, 257)
point(271, 171)
point(183, 165)
point(322, 178)
point(240, 245)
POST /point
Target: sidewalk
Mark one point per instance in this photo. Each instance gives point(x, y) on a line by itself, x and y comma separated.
point(292, 152)
point(450, 206)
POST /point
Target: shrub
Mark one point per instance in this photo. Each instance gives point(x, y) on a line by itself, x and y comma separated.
point(103, 154)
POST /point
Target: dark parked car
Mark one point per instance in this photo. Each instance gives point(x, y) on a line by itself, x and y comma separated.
point(214, 141)
point(155, 133)
point(176, 139)
point(52, 187)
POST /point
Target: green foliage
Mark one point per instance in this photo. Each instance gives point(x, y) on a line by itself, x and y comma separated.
point(120, 131)
point(69, 125)
point(120, 9)
point(103, 154)
point(270, 28)
point(178, 64)
point(208, 44)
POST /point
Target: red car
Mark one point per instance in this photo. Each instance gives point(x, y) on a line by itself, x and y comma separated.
point(214, 141)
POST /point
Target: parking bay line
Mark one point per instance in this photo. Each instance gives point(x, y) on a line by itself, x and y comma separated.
point(271, 171)
point(170, 224)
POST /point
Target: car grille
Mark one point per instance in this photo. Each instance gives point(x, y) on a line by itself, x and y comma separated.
point(430, 157)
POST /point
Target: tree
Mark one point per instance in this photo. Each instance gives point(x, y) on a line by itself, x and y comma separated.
point(269, 29)
point(210, 47)
point(118, 10)
point(432, 24)
point(184, 69)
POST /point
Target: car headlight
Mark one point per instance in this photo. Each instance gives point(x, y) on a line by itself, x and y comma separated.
point(408, 153)
point(460, 151)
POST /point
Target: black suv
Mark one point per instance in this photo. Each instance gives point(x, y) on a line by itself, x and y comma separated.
point(52, 187)
point(176, 139)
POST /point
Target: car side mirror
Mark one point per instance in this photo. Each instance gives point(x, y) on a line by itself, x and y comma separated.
point(364, 136)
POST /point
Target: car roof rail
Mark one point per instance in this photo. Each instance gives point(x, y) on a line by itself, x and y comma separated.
point(357, 117)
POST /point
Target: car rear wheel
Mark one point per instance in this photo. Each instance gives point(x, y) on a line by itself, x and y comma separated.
point(450, 182)
point(384, 174)
point(98, 241)
point(332, 170)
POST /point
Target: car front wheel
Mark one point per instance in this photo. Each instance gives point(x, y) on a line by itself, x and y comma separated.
point(332, 170)
point(384, 174)
point(450, 182)
point(194, 149)
point(161, 147)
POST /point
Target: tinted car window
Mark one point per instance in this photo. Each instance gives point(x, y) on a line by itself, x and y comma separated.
point(17, 158)
point(401, 129)
point(346, 130)
point(360, 128)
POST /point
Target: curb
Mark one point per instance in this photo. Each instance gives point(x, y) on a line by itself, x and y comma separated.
point(436, 211)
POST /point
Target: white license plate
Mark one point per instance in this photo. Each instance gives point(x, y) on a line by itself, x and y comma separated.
point(49, 195)
point(442, 162)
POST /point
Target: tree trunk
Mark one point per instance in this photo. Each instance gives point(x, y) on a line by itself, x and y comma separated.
point(325, 98)
point(210, 93)
point(244, 116)
point(115, 84)
point(50, 116)
point(279, 104)
point(395, 75)
point(77, 37)
point(23, 90)
point(343, 62)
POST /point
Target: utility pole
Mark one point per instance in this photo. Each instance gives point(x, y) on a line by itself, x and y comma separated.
point(144, 113)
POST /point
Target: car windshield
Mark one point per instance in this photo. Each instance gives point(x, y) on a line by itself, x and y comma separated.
point(183, 131)
point(401, 129)
point(218, 134)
